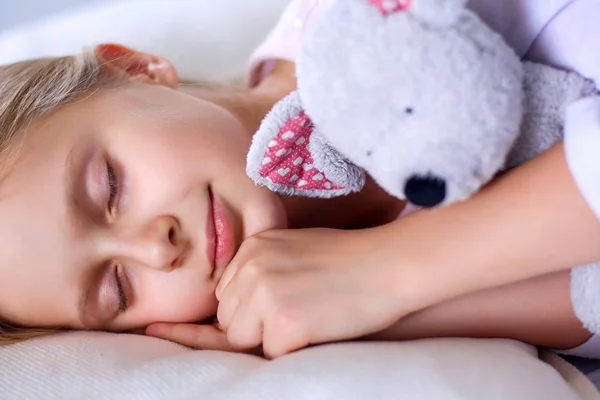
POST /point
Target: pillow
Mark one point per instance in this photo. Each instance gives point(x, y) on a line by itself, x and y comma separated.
point(205, 39)
point(84, 365)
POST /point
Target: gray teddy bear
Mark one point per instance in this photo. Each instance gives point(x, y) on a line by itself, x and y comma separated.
point(421, 95)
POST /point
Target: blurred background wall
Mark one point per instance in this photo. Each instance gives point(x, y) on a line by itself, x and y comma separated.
point(14, 12)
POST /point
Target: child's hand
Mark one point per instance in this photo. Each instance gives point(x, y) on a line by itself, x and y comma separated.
point(197, 336)
point(293, 288)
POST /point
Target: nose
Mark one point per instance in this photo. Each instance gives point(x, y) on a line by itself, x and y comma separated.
point(159, 245)
point(425, 191)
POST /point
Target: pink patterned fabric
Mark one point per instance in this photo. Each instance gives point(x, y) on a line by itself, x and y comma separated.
point(288, 161)
point(391, 6)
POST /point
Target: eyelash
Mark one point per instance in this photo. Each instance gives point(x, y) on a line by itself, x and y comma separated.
point(122, 296)
point(113, 184)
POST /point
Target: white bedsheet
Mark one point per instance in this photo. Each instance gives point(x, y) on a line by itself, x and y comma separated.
point(105, 366)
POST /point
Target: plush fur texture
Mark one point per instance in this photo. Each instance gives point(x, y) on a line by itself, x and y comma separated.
point(548, 92)
point(585, 296)
point(404, 98)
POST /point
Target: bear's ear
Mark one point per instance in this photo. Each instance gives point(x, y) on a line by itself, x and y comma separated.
point(387, 7)
point(440, 13)
point(290, 157)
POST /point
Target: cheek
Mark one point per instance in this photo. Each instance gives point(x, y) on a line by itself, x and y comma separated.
point(175, 299)
point(220, 151)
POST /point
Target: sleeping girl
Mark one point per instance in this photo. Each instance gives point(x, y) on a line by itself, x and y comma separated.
point(126, 206)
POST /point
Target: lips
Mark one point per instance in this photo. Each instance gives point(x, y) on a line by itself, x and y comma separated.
point(219, 234)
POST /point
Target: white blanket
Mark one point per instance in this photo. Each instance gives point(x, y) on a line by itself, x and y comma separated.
point(209, 39)
point(105, 366)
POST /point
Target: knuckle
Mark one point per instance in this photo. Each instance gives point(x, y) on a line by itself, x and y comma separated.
point(253, 270)
point(287, 319)
point(239, 341)
point(278, 345)
point(267, 290)
point(234, 342)
point(233, 338)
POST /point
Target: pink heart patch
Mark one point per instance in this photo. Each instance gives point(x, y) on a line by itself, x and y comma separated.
point(288, 161)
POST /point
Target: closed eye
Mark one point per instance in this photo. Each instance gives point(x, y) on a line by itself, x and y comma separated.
point(113, 184)
point(121, 291)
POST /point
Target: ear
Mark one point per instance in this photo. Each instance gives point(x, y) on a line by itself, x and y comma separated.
point(120, 60)
point(290, 157)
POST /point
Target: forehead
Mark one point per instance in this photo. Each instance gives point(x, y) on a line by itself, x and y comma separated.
point(35, 236)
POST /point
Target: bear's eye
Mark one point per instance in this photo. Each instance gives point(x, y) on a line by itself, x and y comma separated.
point(409, 110)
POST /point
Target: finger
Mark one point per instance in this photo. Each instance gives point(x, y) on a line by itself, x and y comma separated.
point(228, 275)
point(246, 328)
point(284, 333)
point(237, 292)
point(202, 337)
point(227, 308)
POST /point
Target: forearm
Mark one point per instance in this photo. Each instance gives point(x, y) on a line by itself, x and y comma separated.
point(529, 222)
point(536, 311)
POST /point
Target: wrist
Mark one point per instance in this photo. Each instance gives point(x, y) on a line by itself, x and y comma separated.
point(397, 268)
point(420, 268)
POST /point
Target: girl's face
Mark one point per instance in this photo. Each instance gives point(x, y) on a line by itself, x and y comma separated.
point(109, 216)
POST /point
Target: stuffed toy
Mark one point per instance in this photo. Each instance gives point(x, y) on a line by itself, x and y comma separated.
point(421, 95)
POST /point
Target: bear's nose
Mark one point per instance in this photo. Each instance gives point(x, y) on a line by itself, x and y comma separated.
point(425, 191)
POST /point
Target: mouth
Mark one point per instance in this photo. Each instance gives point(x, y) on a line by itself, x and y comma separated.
point(219, 234)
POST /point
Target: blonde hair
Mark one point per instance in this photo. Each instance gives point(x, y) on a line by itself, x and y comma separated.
point(31, 89)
